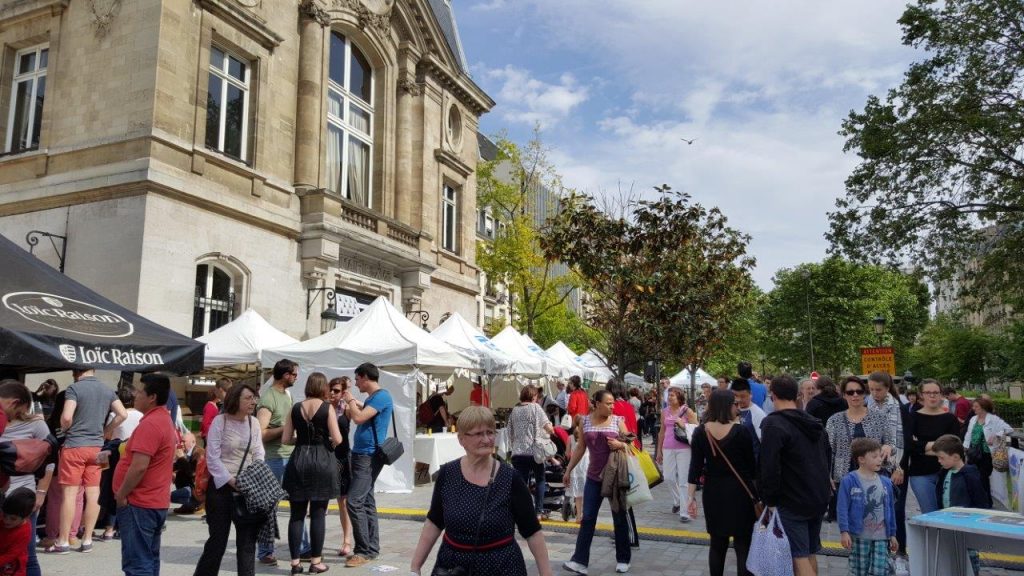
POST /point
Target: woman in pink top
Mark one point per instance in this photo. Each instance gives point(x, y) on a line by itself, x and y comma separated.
point(213, 401)
point(673, 455)
point(601, 430)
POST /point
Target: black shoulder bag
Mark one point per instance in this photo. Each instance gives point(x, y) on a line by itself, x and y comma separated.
point(459, 570)
point(391, 449)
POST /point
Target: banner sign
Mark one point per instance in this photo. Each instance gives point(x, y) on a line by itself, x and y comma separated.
point(880, 359)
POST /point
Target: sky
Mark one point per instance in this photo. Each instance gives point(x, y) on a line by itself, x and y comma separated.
point(760, 87)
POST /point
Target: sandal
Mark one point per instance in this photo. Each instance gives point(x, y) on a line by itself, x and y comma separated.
point(57, 549)
point(318, 568)
point(345, 551)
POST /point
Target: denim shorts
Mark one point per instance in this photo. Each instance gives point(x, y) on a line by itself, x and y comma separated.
point(804, 533)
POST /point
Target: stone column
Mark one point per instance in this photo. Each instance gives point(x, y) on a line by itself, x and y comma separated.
point(408, 91)
point(313, 19)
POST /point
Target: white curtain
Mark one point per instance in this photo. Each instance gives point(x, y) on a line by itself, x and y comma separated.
point(358, 166)
point(334, 140)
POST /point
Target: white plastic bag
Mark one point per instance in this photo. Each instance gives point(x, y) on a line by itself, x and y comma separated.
point(639, 492)
point(769, 548)
point(898, 566)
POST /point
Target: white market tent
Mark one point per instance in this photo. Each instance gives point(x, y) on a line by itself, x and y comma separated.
point(682, 379)
point(403, 351)
point(241, 340)
point(562, 353)
point(520, 345)
point(595, 361)
point(469, 340)
point(379, 334)
point(636, 380)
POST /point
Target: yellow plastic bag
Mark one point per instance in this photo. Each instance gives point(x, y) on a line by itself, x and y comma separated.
point(647, 464)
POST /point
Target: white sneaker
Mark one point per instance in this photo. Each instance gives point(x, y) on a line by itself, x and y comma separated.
point(575, 567)
point(622, 568)
point(684, 519)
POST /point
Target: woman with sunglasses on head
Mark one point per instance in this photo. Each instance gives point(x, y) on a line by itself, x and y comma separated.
point(338, 386)
point(857, 422)
point(928, 423)
point(479, 503)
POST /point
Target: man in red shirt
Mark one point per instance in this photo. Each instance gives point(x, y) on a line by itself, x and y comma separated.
point(479, 396)
point(958, 405)
point(143, 477)
point(579, 403)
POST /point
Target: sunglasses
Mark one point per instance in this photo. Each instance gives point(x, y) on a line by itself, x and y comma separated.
point(855, 392)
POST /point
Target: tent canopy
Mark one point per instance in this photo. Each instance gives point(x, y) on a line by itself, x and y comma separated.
point(595, 361)
point(562, 353)
point(521, 346)
point(379, 334)
point(49, 322)
point(469, 340)
point(241, 340)
point(683, 378)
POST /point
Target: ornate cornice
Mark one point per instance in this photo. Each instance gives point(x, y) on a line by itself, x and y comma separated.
point(410, 87)
point(373, 14)
point(312, 10)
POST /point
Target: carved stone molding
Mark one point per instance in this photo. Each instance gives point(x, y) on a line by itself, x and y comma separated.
point(373, 14)
point(410, 87)
point(103, 13)
point(310, 9)
point(364, 268)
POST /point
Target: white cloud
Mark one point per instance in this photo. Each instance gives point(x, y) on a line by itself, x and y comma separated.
point(527, 100)
point(488, 6)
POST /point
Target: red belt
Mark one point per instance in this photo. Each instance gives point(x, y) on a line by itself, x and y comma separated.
point(487, 546)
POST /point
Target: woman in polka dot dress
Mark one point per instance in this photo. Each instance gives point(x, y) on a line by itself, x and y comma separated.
point(479, 503)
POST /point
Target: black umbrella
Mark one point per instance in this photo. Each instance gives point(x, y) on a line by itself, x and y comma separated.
point(50, 322)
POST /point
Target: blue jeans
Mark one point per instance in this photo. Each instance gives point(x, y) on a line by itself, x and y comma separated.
point(32, 564)
point(264, 549)
point(526, 466)
point(140, 539)
point(181, 496)
point(362, 506)
point(924, 491)
point(591, 506)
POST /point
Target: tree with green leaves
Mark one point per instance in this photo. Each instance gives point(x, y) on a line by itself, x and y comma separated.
point(665, 278)
point(829, 308)
point(952, 351)
point(941, 177)
point(515, 187)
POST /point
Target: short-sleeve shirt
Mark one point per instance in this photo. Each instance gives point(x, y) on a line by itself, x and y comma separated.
point(155, 437)
point(362, 442)
point(525, 426)
point(874, 508)
point(596, 438)
point(480, 397)
point(279, 404)
point(21, 430)
point(93, 399)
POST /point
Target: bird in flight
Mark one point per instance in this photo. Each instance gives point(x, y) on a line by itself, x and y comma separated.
point(690, 141)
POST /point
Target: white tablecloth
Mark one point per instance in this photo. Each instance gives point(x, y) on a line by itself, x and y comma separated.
point(437, 449)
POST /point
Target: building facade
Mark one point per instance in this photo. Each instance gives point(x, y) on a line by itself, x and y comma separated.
point(206, 156)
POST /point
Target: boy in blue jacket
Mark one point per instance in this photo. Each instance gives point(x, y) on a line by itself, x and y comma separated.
point(959, 484)
point(866, 512)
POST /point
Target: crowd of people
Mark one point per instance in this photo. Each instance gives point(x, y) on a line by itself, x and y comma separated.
point(808, 452)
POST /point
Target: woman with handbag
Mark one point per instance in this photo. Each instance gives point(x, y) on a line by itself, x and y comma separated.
point(601, 432)
point(311, 476)
point(232, 443)
point(722, 450)
point(529, 433)
point(984, 432)
point(673, 449)
point(479, 503)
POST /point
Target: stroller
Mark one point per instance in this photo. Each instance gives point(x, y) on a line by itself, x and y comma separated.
point(555, 499)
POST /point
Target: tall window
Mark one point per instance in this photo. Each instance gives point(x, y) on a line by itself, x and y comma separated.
point(449, 212)
point(214, 300)
point(349, 122)
point(27, 96)
point(227, 104)
point(485, 223)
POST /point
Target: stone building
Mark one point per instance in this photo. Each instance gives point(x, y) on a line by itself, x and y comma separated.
point(206, 156)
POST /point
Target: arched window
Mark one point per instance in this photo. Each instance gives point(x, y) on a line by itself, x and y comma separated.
point(349, 122)
point(214, 299)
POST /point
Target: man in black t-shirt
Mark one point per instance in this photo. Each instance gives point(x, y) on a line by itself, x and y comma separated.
point(439, 406)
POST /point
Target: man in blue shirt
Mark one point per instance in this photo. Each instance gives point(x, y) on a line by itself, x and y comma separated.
point(372, 417)
point(758, 391)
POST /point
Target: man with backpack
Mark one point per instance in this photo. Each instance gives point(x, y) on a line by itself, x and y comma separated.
point(433, 413)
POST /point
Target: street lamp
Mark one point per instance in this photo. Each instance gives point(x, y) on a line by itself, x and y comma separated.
point(329, 318)
point(879, 325)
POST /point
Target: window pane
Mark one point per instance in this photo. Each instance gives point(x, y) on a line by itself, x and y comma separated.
point(201, 272)
point(221, 285)
point(27, 63)
point(219, 318)
point(449, 227)
point(337, 64)
point(43, 57)
point(213, 107)
point(233, 123)
point(335, 104)
point(359, 118)
point(37, 116)
point(360, 81)
point(216, 58)
point(236, 68)
point(358, 172)
point(22, 109)
point(335, 138)
point(197, 322)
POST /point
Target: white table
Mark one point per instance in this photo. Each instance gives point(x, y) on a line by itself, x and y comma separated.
point(937, 542)
point(436, 449)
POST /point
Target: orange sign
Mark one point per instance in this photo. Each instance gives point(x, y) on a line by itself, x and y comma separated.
point(881, 359)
